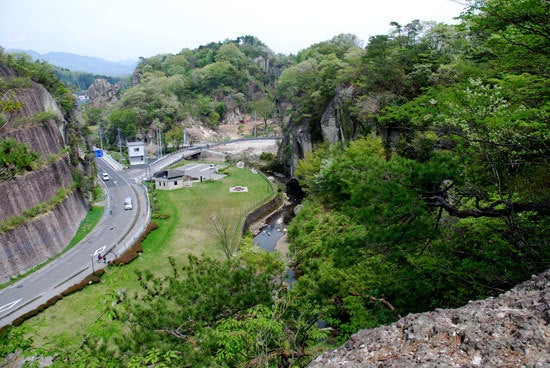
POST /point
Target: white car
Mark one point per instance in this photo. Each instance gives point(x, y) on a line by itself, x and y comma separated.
point(105, 176)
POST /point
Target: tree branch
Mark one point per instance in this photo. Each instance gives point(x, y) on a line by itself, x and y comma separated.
point(439, 200)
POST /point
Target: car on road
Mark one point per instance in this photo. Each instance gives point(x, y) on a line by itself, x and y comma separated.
point(128, 204)
point(105, 176)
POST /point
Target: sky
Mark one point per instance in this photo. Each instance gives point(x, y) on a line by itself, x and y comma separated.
point(128, 29)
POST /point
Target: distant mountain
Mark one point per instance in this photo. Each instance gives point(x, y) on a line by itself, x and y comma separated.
point(81, 63)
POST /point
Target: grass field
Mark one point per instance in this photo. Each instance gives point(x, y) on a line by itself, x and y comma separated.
point(187, 230)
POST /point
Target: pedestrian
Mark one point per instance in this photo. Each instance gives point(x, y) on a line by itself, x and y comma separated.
point(105, 258)
point(99, 258)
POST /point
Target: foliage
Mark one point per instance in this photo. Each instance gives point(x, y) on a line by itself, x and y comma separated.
point(37, 118)
point(204, 84)
point(15, 157)
point(229, 313)
point(445, 199)
point(123, 122)
point(226, 224)
point(448, 200)
point(42, 73)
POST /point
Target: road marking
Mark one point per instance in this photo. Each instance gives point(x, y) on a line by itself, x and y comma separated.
point(5, 307)
point(99, 250)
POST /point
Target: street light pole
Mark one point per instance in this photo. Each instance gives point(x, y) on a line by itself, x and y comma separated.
point(92, 258)
point(114, 227)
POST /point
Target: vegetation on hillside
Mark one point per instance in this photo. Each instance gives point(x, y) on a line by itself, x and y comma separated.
point(205, 85)
point(39, 72)
point(438, 196)
point(446, 198)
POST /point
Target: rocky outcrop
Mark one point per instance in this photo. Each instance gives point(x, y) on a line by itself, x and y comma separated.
point(332, 127)
point(27, 191)
point(101, 92)
point(38, 236)
point(45, 236)
point(295, 143)
point(509, 331)
point(335, 125)
point(46, 138)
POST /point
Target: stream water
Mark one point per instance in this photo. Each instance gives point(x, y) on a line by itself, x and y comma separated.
point(268, 236)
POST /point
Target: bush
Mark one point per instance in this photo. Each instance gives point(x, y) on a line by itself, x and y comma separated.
point(134, 251)
point(90, 279)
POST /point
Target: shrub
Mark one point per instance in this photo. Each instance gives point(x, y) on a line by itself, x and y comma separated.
point(90, 279)
point(134, 251)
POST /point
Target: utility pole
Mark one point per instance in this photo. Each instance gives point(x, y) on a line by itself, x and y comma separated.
point(111, 211)
point(101, 135)
point(119, 145)
point(160, 145)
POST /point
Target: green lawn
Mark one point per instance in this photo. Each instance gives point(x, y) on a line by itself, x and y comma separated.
point(186, 231)
point(87, 225)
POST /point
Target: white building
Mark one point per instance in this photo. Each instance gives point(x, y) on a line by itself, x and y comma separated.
point(136, 153)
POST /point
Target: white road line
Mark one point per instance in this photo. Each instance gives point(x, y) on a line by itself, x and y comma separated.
point(99, 250)
point(8, 306)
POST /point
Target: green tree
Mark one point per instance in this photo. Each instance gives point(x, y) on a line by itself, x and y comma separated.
point(226, 224)
point(265, 108)
point(516, 32)
point(125, 120)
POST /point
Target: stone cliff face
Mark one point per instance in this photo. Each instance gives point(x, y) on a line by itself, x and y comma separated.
point(41, 236)
point(101, 92)
point(509, 331)
point(335, 126)
point(295, 143)
point(45, 236)
point(36, 187)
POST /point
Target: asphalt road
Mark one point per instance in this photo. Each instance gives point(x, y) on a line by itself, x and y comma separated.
point(114, 233)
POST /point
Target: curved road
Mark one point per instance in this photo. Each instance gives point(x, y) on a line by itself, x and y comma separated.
point(116, 231)
point(113, 234)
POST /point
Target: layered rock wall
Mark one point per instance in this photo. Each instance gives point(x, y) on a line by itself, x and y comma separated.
point(36, 238)
point(27, 191)
point(45, 138)
point(45, 236)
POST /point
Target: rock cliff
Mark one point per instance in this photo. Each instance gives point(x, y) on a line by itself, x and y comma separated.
point(336, 125)
point(508, 331)
point(101, 92)
point(39, 235)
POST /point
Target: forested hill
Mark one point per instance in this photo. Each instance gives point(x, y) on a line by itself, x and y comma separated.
point(214, 84)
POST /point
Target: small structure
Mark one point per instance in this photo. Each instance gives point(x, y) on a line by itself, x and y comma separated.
point(171, 179)
point(136, 153)
point(238, 189)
